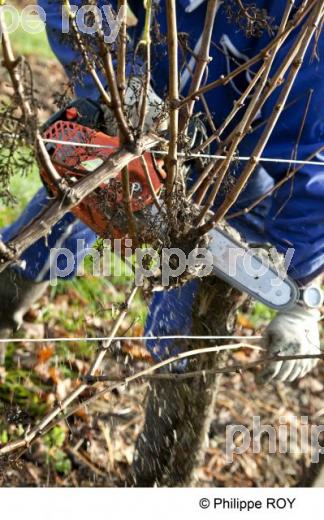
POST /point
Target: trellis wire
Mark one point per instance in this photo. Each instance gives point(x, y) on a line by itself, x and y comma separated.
point(193, 155)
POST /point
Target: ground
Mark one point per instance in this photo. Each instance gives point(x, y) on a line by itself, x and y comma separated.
point(95, 447)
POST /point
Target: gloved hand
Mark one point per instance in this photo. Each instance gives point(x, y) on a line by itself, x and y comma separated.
point(156, 117)
point(292, 332)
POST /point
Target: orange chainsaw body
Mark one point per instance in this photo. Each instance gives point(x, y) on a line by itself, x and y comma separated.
point(75, 161)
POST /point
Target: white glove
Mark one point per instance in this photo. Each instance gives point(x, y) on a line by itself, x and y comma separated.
point(155, 118)
point(293, 332)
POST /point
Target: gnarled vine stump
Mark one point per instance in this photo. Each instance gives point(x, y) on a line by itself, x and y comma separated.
point(178, 414)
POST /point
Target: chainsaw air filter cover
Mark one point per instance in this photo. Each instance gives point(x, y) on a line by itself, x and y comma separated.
point(103, 209)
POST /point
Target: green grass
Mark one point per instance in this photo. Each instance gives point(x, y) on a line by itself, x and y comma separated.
point(261, 314)
point(22, 187)
point(32, 44)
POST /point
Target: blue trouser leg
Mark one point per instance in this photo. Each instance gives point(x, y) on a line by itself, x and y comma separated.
point(65, 234)
point(170, 314)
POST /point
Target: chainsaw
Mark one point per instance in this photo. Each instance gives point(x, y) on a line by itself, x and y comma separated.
point(77, 142)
